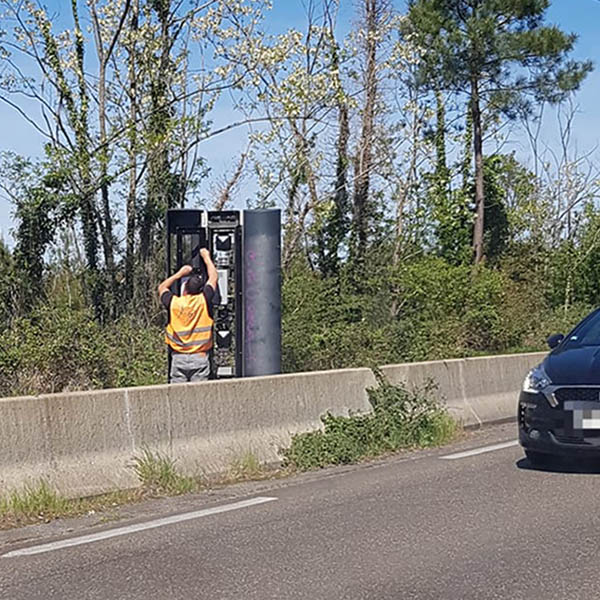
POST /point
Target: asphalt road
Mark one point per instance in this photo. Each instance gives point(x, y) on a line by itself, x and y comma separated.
point(410, 527)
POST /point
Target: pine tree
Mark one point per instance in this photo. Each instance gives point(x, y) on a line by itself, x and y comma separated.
point(502, 55)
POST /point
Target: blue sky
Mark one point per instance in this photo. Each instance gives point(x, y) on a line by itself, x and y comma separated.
point(582, 17)
point(577, 16)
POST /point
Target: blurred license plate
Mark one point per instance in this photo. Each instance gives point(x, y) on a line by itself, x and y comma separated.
point(586, 415)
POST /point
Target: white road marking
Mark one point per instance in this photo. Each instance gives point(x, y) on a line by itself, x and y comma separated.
point(104, 535)
point(480, 450)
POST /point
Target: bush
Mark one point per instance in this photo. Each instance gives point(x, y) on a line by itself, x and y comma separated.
point(425, 309)
point(61, 349)
point(401, 418)
point(329, 324)
point(422, 309)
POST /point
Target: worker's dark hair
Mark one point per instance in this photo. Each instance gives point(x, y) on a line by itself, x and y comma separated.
point(195, 284)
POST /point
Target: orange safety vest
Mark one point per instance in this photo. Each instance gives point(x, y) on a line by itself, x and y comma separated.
point(190, 325)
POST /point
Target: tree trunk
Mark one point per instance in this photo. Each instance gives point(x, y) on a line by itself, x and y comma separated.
point(159, 180)
point(104, 53)
point(363, 159)
point(406, 188)
point(106, 226)
point(440, 136)
point(339, 220)
point(89, 217)
point(467, 160)
point(290, 236)
point(334, 228)
point(479, 191)
point(132, 152)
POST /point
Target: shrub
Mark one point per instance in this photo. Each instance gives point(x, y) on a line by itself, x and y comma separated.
point(425, 309)
point(401, 418)
point(422, 309)
point(61, 349)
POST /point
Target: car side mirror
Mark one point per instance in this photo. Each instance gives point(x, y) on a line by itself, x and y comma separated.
point(555, 340)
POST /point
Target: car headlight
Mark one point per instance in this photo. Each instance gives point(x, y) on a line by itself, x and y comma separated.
point(536, 380)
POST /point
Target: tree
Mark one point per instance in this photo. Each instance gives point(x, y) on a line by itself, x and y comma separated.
point(37, 192)
point(496, 226)
point(127, 122)
point(333, 226)
point(410, 147)
point(374, 15)
point(7, 285)
point(297, 89)
point(106, 35)
point(451, 215)
point(501, 55)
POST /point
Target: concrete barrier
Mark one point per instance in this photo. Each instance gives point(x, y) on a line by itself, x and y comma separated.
point(476, 390)
point(83, 443)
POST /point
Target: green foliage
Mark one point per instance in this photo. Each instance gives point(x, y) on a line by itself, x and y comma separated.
point(503, 56)
point(245, 467)
point(503, 45)
point(37, 191)
point(57, 348)
point(329, 323)
point(36, 231)
point(451, 210)
point(418, 309)
point(8, 301)
point(138, 355)
point(510, 210)
point(424, 309)
point(526, 208)
point(331, 229)
point(450, 310)
point(159, 474)
point(401, 418)
point(52, 350)
point(38, 501)
point(68, 322)
point(496, 225)
point(453, 217)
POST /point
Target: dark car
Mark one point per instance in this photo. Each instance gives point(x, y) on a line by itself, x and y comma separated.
point(559, 405)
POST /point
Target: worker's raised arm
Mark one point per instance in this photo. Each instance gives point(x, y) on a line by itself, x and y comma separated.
point(167, 283)
point(211, 270)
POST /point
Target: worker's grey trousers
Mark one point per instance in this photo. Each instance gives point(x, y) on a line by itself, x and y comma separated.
point(189, 367)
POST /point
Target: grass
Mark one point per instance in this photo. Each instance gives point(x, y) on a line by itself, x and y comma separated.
point(159, 475)
point(33, 501)
point(247, 467)
point(39, 503)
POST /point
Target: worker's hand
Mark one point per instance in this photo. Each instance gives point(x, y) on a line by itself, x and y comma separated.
point(185, 270)
point(204, 253)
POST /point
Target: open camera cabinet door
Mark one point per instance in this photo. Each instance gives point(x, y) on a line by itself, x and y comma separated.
point(246, 248)
point(186, 235)
point(188, 231)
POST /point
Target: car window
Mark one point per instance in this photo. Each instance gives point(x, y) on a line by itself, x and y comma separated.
point(586, 334)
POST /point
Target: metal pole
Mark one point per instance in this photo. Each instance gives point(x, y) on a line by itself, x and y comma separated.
point(262, 292)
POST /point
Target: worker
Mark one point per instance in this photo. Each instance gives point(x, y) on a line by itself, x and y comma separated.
point(189, 331)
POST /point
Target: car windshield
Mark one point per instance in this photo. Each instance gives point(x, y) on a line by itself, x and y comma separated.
point(587, 333)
